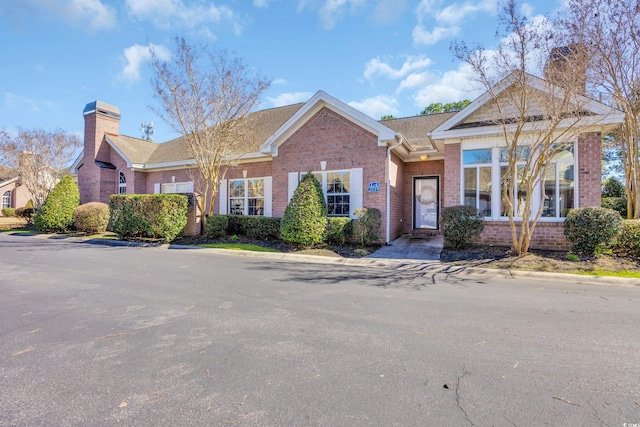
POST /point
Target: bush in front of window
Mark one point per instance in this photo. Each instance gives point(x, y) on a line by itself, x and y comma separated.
point(91, 217)
point(56, 213)
point(216, 226)
point(339, 229)
point(305, 218)
point(8, 212)
point(367, 225)
point(155, 216)
point(592, 230)
point(461, 225)
point(262, 228)
point(629, 239)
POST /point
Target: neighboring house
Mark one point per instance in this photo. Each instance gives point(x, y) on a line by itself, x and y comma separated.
point(407, 168)
point(12, 193)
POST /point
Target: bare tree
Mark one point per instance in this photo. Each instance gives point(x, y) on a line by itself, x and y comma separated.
point(609, 31)
point(538, 118)
point(206, 96)
point(38, 157)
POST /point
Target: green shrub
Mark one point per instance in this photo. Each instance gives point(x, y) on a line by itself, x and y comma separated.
point(368, 223)
point(592, 230)
point(91, 217)
point(26, 213)
point(156, 216)
point(8, 212)
point(305, 218)
point(629, 238)
point(618, 204)
point(613, 188)
point(339, 229)
point(262, 228)
point(56, 213)
point(461, 225)
point(216, 226)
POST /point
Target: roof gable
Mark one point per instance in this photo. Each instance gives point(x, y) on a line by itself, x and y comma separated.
point(481, 115)
point(311, 107)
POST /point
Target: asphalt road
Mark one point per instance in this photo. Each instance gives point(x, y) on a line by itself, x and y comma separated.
point(99, 336)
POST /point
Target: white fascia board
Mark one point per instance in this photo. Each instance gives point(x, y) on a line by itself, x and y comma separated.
point(9, 181)
point(76, 163)
point(247, 158)
point(315, 103)
point(117, 150)
point(587, 121)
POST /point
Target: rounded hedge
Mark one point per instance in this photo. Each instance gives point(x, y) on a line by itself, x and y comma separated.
point(56, 213)
point(629, 239)
point(461, 225)
point(618, 204)
point(91, 217)
point(592, 230)
point(305, 218)
point(216, 226)
point(8, 212)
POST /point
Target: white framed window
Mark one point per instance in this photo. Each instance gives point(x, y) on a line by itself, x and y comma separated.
point(177, 187)
point(122, 183)
point(555, 193)
point(247, 196)
point(336, 186)
point(6, 199)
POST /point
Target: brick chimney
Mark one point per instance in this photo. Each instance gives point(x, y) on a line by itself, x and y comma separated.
point(567, 67)
point(99, 119)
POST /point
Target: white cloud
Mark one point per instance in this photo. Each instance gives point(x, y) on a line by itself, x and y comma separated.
point(377, 106)
point(527, 9)
point(378, 67)
point(421, 36)
point(454, 85)
point(91, 15)
point(263, 4)
point(137, 55)
point(455, 13)
point(415, 80)
point(289, 98)
point(279, 82)
point(13, 101)
point(388, 11)
point(331, 11)
point(178, 14)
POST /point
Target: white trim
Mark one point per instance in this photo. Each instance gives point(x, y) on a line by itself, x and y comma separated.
point(9, 181)
point(156, 188)
point(117, 150)
point(223, 200)
point(73, 169)
point(268, 196)
point(313, 105)
point(356, 192)
point(292, 184)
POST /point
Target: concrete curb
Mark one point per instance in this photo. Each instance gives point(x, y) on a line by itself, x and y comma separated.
point(433, 267)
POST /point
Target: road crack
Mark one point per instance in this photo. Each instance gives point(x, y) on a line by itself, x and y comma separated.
point(457, 390)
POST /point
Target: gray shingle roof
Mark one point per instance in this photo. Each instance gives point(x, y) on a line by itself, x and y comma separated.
point(415, 129)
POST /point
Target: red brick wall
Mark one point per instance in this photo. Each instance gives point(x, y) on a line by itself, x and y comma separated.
point(254, 170)
point(343, 145)
point(589, 169)
point(547, 235)
point(451, 183)
point(90, 176)
point(419, 169)
point(396, 200)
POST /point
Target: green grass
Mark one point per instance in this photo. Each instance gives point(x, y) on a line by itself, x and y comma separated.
point(624, 273)
point(18, 231)
point(238, 247)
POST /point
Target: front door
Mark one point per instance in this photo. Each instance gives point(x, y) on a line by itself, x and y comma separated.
point(426, 202)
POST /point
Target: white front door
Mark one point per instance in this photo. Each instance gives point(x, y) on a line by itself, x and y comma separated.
point(426, 203)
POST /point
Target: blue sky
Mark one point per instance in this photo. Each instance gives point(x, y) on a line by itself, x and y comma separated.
point(380, 56)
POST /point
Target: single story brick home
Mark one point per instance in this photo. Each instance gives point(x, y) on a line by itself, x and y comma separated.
point(12, 193)
point(408, 168)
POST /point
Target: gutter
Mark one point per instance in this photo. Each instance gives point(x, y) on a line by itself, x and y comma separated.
point(388, 213)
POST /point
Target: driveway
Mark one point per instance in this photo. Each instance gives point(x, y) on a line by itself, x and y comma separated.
point(95, 335)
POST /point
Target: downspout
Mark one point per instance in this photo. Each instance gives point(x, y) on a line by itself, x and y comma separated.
point(388, 215)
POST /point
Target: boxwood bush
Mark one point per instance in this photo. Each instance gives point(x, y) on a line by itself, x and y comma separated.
point(156, 216)
point(216, 226)
point(305, 218)
point(91, 217)
point(629, 239)
point(56, 213)
point(368, 223)
point(339, 229)
point(8, 212)
point(592, 230)
point(461, 225)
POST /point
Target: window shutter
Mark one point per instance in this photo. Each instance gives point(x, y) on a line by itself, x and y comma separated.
point(190, 187)
point(222, 197)
point(293, 184)
point(156, 188)
point(355, 200)
point(267, 197)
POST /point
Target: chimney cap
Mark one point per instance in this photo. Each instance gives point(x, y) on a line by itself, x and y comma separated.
point(99, 107)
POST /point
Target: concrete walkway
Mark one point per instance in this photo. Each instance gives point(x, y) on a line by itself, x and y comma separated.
point(424, 248)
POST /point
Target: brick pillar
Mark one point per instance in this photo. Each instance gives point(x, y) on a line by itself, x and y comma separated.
point(589, 169)
point(99, 118)
point(452, 167)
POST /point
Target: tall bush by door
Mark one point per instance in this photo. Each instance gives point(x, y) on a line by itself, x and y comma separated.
point(461, 225)
point(592, 230)
point(368, 224)
point(305, 218)
point(56, 213)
